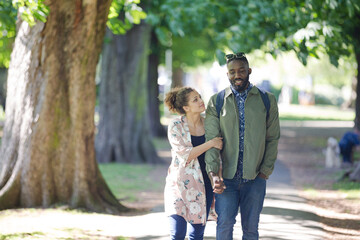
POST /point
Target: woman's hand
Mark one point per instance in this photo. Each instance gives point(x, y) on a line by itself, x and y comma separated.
point(217, 142)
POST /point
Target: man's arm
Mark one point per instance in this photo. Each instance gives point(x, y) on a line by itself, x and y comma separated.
point(212, 156)
point(272, 139)
point(212, 130)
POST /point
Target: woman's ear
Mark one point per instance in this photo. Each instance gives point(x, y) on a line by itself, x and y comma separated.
point(186, 108)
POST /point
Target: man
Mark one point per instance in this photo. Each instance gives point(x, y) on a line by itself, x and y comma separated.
point(347, 143)
point(250, 139)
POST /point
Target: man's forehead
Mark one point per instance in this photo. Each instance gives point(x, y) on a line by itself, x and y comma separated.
point(236, 64)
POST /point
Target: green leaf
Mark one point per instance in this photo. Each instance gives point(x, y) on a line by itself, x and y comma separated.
point(220, 56)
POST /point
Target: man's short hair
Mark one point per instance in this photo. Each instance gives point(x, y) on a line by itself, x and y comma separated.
point(236, 56)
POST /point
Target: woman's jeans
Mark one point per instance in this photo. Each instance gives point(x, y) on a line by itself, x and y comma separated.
point(178, 225)
point(249, 197)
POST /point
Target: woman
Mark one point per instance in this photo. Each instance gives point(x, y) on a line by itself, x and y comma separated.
point(188, 192)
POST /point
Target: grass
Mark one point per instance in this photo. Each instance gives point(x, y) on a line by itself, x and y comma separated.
point(24, 235)
point(126, 180)
point(351, 189)
point(317, 113)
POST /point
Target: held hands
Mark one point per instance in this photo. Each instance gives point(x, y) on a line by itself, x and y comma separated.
point(217, 142)
point(217, 183)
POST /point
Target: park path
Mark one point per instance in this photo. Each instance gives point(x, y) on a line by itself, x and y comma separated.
point(285, 216)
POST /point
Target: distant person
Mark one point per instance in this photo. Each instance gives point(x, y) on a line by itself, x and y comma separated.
point(248, 121)
point(347, 144)
point(188, 192)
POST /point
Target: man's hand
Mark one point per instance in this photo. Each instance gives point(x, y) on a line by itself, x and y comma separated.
point(262, 175)
point(217, 183)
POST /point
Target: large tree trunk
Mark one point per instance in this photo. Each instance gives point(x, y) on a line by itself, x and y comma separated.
point(3, 76)
point(157, 129)
point(47, 152)
point(123, 130)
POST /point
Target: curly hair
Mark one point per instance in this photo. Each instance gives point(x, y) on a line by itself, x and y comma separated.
point(177, 98)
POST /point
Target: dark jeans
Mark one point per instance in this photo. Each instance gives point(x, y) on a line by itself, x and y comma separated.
point(178, 225)
point(346, 152)
point(249, 197)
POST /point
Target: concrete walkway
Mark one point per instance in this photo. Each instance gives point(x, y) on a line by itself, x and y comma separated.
point(285, 216)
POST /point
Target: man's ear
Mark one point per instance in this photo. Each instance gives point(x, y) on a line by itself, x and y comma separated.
point(250, 70)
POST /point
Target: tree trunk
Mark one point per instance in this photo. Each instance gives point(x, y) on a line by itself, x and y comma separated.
point(47, 152)
point(123, 130)
point(355, 175)
point(177, 78)
point(3, 76)
point(157, 129)
point(357, 103)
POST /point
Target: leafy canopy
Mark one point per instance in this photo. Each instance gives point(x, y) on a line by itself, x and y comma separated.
point(122, 15)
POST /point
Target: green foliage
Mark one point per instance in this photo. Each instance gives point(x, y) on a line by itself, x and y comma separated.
point(31, 11)
point(306, 26)
point(123, 14)
point(7, 31)
point(191, 51)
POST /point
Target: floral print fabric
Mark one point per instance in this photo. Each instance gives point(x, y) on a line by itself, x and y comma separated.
point(184, 190)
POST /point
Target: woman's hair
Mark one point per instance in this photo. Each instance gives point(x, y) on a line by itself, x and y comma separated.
point(177, 98)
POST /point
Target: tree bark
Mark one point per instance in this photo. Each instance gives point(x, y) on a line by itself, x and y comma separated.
point(157, 129)
point(357, 103)
point(355, 175)
point(177, 78)
point(47, 152)
point(123, 130)
point(3, 76)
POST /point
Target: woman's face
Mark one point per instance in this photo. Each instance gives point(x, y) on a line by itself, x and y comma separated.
point(195, 103)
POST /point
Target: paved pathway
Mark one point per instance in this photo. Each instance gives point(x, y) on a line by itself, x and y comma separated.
point(285, 216)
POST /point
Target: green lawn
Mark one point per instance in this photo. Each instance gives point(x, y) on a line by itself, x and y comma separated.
point(318, 112)
point(126, 180)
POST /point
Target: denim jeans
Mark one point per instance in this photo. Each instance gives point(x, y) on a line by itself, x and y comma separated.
point(249, 198)
point(178, 224)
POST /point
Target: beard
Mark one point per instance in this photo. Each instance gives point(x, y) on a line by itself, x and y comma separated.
point(244, 83)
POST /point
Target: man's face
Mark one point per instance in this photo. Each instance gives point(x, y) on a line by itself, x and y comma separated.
point(238, 74)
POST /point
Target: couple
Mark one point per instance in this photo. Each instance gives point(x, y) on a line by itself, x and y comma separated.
point(242, 128)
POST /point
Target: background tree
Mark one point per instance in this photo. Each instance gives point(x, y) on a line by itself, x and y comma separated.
point(127, 107)
point(47, 152)
point(124, 129)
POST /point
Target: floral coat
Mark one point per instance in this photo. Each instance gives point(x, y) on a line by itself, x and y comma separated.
point(184, 190)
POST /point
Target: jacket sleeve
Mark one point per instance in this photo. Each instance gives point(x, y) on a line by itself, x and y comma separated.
point(178, 143)
point(272, 138)
point(212, 130)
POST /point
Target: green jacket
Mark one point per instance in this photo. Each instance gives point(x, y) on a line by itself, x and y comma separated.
point(260, 139)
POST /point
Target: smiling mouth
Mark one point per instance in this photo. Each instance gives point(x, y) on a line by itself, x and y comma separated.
point(238, 82)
